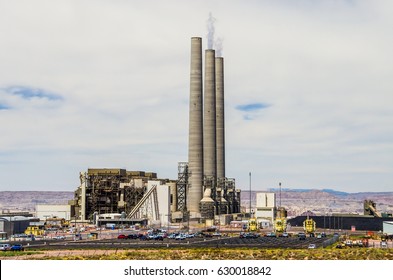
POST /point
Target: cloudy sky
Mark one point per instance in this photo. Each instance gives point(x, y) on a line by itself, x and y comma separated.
point(105, 83)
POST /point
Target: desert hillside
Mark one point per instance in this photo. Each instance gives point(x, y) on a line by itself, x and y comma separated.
point(26, 200)
point(324, 201)
point(295, 201)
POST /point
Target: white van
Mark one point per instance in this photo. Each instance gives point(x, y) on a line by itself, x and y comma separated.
point(5, 247)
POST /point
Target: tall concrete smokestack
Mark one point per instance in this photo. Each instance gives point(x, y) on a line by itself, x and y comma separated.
point(195, 144)
point(220, 118)
point(209, 132)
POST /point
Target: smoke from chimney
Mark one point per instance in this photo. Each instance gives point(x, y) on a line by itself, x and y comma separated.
point(218, 47)
point(212, 42)
point(210, 31)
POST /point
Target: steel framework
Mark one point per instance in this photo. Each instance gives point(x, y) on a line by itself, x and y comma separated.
point(182, 185)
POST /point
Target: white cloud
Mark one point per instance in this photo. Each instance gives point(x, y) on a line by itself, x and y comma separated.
point(122, 70)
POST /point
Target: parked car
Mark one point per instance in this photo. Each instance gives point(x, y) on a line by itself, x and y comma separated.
point(163, 234)
point(180, 237)
point(150, 236)
point(5, 247)
point(158, 237)
point(59, 237)
point(302, 236)
point(203, 235)
point(271, 234)
point(30, 237)
point(17, 247)
point(132, 236)
point(284, 234)
point(249, 235)
point(121, 236)
point(172, 236)
point(217, 233)
point(77, 236)
point(312, 246)
point(143, 237)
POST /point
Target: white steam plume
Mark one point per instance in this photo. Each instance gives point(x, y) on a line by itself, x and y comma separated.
point(210, 31)
point(211, 41)
point(218, 46)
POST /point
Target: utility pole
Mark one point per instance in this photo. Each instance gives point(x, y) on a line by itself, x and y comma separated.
point(250, 193)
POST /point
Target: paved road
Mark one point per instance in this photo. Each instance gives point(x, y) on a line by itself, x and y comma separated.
point(227, 242)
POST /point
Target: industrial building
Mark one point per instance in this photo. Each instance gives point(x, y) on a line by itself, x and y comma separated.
point(45, 211)
point(11, 225)
point(266, 206)
point(387, 227)
point(121, 194)
point(201, 192)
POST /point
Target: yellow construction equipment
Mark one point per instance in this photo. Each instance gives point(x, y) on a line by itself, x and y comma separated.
point(309, 226)
point(34, 230)
point(252, 225)
point(280, 223)
point(56, 222)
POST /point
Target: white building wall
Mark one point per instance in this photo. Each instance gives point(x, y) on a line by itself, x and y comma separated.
point(266, 199)
point(44, 211)
point(163, 196)
point(266, 203)
point(387, 227)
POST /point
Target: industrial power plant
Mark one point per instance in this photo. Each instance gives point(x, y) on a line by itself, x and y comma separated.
point(129, 135)
point(201, 193)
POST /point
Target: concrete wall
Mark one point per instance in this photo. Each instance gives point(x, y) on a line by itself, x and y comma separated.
point(44, 211)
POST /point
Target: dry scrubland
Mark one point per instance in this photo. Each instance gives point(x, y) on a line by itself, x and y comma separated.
point(208, 254)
